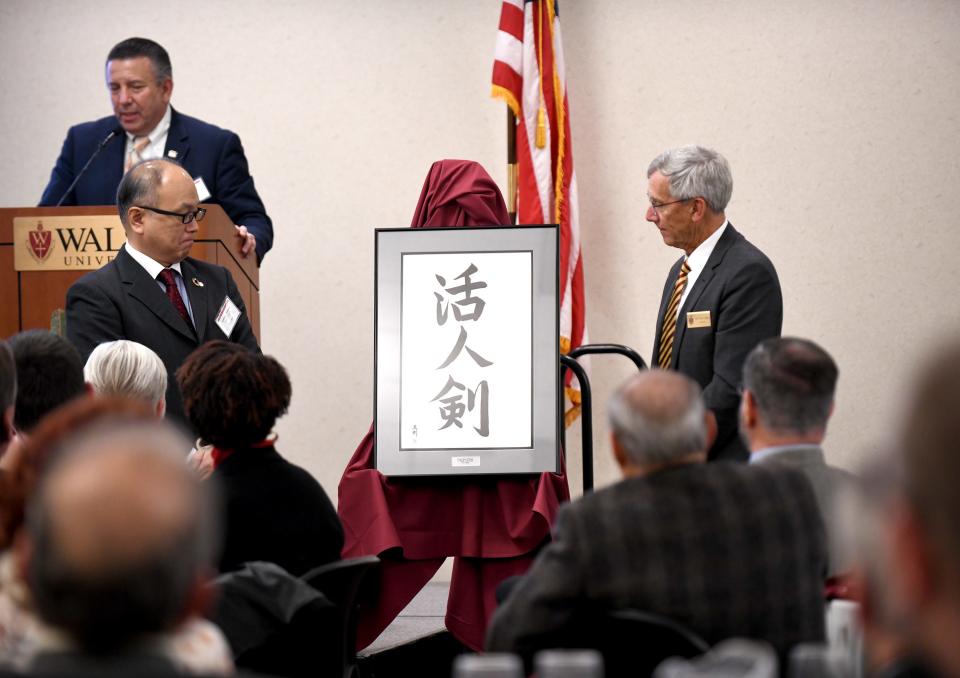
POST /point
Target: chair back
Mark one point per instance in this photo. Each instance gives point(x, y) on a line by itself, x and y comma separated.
point(341, 583)
point(276, 623)
point(633, 642)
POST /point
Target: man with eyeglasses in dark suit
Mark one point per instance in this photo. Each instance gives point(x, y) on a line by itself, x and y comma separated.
point(152, 292)
point(721, 298)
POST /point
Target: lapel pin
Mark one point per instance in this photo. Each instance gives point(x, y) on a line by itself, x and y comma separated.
point(196, 283)
point(171, 153)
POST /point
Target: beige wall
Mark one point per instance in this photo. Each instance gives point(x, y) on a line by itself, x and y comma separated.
point(840, 120)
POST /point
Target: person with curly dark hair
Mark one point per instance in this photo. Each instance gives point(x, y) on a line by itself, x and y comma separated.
point(274, 511)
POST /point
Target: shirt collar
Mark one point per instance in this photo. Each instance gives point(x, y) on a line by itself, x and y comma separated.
point(159, 130)
point(697, 259)
point(774, 450)
point(151, 266)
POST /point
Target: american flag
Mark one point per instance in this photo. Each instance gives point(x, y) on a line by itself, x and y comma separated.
point(529, 75)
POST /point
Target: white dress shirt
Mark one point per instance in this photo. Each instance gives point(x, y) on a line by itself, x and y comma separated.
point(697, 259)
point(767, 452)
point(158, 139)
point(153, 269)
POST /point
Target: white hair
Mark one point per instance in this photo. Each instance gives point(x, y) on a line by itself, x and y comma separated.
point(696, 172)
point(128, 369)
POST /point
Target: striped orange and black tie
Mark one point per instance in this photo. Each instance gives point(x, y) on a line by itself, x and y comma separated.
point(670, 318)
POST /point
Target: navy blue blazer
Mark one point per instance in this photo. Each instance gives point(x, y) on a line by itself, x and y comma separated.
point(203, 149)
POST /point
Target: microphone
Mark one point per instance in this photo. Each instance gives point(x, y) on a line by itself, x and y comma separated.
point(106, 140)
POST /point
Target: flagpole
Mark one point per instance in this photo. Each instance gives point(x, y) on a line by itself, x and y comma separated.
point(512, 165)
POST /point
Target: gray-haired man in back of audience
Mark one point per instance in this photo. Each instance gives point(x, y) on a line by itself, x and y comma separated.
point(119, 540)
point(727, 550)
point(788, 396)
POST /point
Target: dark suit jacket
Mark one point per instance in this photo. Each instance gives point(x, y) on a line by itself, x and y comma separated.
point(740, 289)
point(203, 149)
point(75, 664)
point(828, 483)
point(276, 512)
point(724, 549)
point(122, 301)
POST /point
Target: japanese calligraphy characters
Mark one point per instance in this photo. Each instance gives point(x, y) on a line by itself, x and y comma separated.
point(466, 361)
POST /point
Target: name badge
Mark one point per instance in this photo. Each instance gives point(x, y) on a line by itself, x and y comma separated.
point(227, 316)
point(697, 319)
point(203, 194)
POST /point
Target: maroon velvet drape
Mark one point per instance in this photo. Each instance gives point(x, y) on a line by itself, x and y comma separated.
point(490, 525)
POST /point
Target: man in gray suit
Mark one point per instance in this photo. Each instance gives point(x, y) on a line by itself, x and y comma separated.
point(726, 550)
point(721, 298)
point(787, 400)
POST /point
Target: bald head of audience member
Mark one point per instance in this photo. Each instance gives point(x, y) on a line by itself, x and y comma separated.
point(924, 520)
point(658, 419)
point(788, 393)
point(127, 369)
point(8, 395)
point(119, 537)
point(159, 209)
point(49, 374)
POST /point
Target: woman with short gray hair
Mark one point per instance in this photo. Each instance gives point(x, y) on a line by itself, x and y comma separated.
point(127, 369)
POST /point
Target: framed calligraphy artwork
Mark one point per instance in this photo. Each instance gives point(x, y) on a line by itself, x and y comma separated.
point(466, 367)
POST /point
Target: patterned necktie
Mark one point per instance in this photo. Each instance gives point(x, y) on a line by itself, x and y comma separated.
point(133, 157)
point(169, 280)
point(670, 318)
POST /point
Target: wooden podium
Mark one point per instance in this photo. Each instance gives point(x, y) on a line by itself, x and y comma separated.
point(31, 299)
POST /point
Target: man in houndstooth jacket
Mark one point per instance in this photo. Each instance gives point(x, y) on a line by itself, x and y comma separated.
point(724, 549)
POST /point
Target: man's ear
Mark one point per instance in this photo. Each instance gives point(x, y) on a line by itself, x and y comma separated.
point(6, 421)
point(161, 407)
point(201, 597)
point(22, 554)
point(135, 220)
point(166, 88)
point(748, 405)
point(698, 209)
point(913, 566)
point(622, 459)
point(710, 421)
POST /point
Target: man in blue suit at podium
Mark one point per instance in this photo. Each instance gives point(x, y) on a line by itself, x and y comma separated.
point(144, 126)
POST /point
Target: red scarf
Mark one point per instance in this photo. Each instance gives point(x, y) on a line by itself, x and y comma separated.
point(219, 455)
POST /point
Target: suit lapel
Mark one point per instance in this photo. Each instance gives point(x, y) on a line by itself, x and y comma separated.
point(144, 289)
point(703, 280)
point(178, 141)
point(198, 297)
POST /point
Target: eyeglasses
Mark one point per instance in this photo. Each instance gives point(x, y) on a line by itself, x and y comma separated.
point(656, 206)
point(185, 217)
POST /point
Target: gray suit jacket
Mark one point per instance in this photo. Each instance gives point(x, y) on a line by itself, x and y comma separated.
point(828, 484)
point(725, 549)
point(740, 289)
point(122, 301)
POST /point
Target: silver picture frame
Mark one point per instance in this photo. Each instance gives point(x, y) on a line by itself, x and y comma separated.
point(466, 367)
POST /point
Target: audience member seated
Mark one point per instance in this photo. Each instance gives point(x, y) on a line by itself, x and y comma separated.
point(862, 510)
point(49, 373)
point(275, 511)
point(917, 573)
point(127, 369)
point(8, 396)
point(788, 387)
point(197, 645)
point(727, 550)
